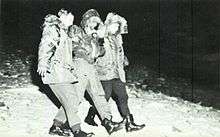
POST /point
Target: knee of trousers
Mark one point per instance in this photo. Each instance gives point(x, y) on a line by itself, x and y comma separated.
point(71, 104)
point(123, 98)
point(107, 97)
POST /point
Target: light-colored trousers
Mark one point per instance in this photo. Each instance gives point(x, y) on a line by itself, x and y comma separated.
point(70, 95)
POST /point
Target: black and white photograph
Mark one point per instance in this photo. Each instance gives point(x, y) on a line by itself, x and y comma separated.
point(109, 68)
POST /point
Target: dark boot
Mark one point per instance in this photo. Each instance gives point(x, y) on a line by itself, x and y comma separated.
point(130, 125)
point(80, 133)
point(111, 126)
point(58, 130)
point(66, 126)
point(90, 117)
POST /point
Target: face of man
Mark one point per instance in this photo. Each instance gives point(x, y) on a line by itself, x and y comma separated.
point(113, 28)
point(101, 31)
point(93, 22)
point(124, 29)
point(67, 19)
point(92, 25)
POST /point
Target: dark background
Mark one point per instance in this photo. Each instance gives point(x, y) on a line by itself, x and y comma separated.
point(179, 38)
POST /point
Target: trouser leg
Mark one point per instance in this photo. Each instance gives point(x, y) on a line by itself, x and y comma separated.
point(67, 95)
point(60, 117)
point(96, 92)
point(92, 110)
point(107, 86)
point(94, 88)
point(119, 90)
point(89, 119)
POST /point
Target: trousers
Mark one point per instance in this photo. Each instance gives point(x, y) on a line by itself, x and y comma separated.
point(70, 95)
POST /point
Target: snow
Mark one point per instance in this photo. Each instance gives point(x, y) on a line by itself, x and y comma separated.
point(29, 113)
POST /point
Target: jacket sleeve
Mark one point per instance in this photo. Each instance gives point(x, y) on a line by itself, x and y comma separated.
point(47, 47)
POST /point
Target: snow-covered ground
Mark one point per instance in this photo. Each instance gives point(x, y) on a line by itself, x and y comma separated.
point(26, 112)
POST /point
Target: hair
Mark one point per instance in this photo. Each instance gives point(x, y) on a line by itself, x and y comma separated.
point(50, 20)
point(87, 15)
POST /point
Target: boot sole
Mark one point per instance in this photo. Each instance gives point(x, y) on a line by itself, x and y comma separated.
point(57, 134)
point(115, 130)
point(135, 129)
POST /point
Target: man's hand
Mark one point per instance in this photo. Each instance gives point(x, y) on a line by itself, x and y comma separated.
point(126, 61)
point(42, 71)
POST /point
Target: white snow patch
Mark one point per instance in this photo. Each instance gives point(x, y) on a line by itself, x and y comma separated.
point(29, 113)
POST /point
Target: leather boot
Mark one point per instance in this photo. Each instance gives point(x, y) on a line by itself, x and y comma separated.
point(130, 125)
point(111, 126)
point(80, 133)
point(90, 117)
point(59, 130)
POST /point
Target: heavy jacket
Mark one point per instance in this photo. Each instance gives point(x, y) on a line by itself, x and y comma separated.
point(88, 49)
point(85, 46)
point(55, 54)
point(111, 65)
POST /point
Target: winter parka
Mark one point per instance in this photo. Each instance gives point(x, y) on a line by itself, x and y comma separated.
point(55, 54)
